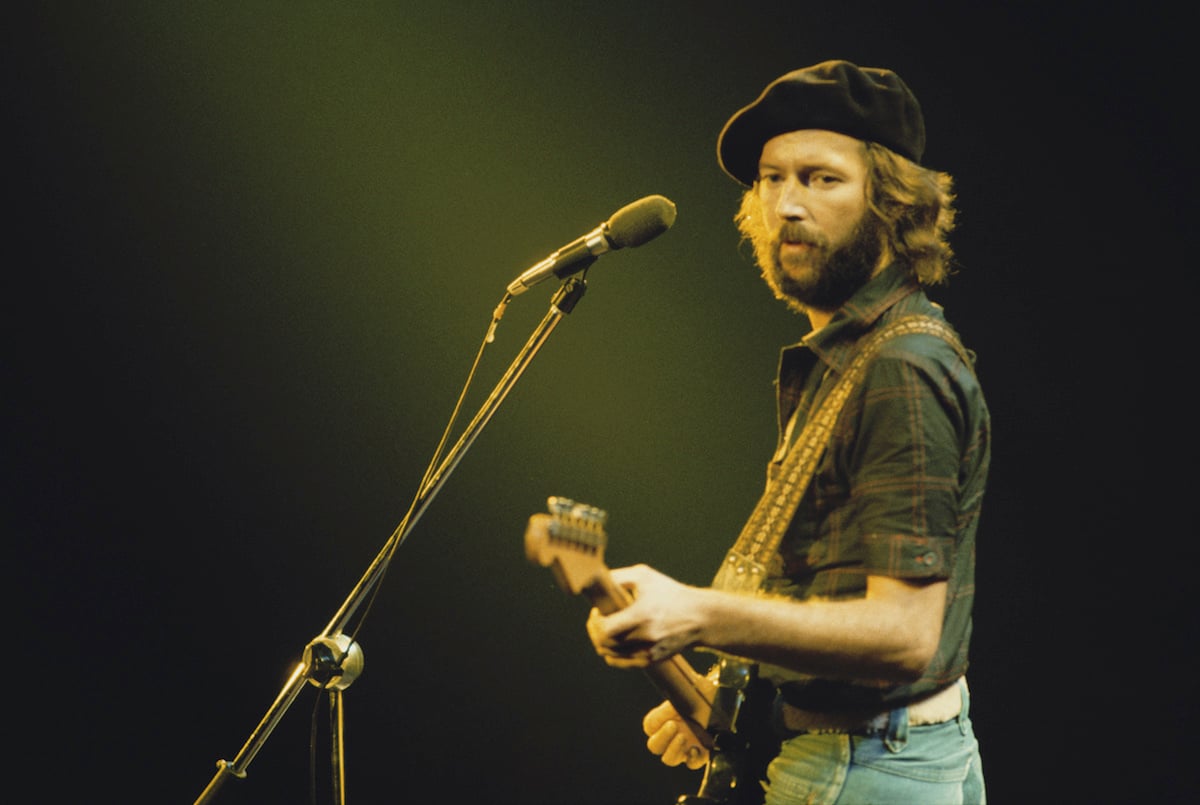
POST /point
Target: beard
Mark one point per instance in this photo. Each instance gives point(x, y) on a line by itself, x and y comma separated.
point(827, 274)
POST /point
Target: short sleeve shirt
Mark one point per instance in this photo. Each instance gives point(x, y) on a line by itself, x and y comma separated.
point(899, 488)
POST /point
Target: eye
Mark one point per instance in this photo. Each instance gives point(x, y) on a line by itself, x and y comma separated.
point(823, 179)
point(770, 177)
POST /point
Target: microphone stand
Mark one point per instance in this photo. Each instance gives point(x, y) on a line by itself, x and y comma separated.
point(333, 660)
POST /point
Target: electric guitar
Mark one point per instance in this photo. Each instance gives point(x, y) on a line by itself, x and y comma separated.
point(570, 540)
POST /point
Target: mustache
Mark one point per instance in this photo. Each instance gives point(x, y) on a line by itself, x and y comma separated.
point(796, 232)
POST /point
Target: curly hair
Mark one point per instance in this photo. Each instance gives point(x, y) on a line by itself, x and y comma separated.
point(914, 204)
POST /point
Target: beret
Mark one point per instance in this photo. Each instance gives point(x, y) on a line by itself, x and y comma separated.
point(867, 103)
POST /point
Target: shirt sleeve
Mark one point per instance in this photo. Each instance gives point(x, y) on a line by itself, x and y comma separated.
point(903, 456)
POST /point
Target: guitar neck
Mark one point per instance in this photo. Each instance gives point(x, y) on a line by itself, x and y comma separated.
point(690, 692)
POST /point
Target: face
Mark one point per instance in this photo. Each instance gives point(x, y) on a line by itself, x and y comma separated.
point(818, 245)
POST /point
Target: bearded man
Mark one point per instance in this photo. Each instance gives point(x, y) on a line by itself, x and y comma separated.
point(848, 596)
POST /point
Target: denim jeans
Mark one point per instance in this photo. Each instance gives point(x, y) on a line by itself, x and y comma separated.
point(937, 764)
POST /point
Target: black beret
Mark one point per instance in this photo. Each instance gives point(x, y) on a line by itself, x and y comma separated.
point(863, 102)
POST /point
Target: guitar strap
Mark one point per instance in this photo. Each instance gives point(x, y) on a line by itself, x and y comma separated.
point(745, 566)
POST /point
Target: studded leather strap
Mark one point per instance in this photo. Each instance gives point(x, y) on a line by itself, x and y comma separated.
point(745, 566)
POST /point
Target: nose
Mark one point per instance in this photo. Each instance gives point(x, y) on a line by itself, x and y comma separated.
point(792, 199)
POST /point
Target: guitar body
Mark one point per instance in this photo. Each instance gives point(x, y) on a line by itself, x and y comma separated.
point(570, 540)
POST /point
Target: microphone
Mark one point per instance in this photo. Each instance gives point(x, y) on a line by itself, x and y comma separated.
point(632, 225)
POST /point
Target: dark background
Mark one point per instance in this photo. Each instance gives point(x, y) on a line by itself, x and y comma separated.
point(254, 247)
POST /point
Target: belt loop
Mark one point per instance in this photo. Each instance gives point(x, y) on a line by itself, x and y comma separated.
point(966, 704)
point(778, 722)
point(896, 737)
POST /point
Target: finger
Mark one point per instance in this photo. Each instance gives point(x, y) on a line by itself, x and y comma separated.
point(686, 748)
point(671, 739)
point(628, 577)
point(660, 740)
point(616, 652)
point(697, 756)
point(595, 628)
point(658, 716)
point(621, 661)
point(622, 575)
point(609, 631)
point(677, 749)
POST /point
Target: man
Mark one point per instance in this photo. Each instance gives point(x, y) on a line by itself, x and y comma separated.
point(862, 621)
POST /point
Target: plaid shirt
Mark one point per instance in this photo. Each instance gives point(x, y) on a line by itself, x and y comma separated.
point(898, 491)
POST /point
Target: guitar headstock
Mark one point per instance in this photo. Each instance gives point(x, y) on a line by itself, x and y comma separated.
point(570, 540)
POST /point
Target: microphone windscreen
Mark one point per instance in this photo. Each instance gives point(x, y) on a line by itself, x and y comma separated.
point(641, 221)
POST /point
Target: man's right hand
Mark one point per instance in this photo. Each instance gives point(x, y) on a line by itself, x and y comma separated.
point(671, 739)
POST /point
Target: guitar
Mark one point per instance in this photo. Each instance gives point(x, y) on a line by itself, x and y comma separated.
point(570, 540)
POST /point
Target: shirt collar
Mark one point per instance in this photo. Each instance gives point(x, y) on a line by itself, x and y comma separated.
point(860, 313)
